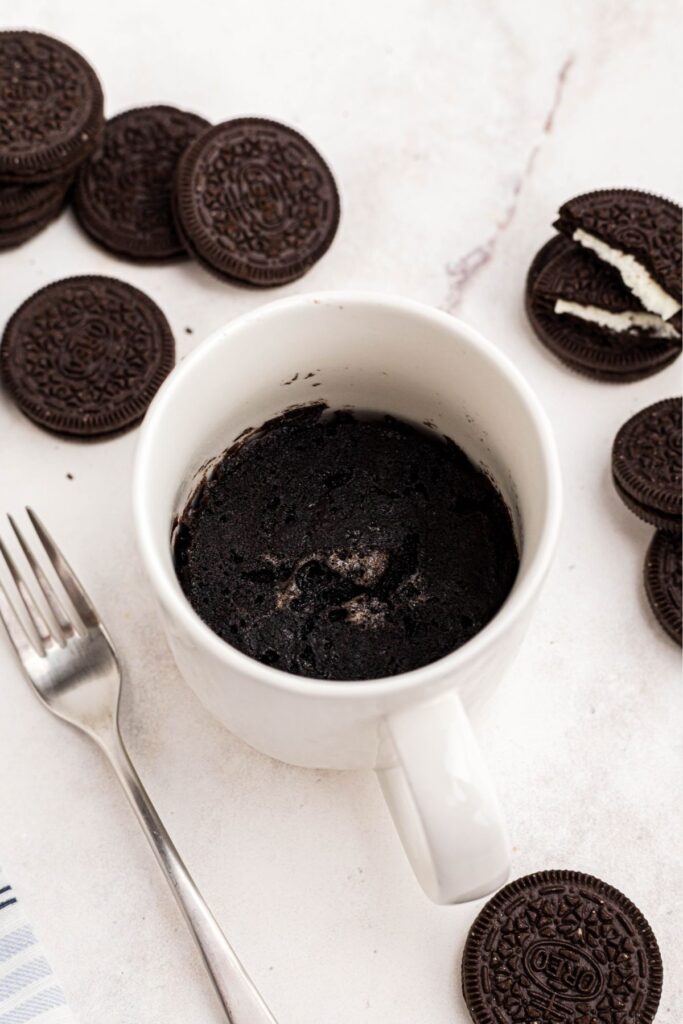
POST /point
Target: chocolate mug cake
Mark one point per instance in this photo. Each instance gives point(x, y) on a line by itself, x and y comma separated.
point(347, 547)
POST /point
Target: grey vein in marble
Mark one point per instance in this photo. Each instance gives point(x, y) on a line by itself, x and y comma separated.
point(463, 270)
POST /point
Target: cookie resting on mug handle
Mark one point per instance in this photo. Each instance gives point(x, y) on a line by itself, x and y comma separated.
point(442, 801)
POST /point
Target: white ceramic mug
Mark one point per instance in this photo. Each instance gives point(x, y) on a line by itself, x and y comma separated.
point(371, 352)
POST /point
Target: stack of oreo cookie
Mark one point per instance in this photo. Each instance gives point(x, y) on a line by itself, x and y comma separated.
point(646, 468)
point(604, 295)
point(251, 199)
point(51, 119)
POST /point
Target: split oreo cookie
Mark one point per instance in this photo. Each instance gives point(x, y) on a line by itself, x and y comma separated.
point(581, 310)
point(51, 113)
point(663, 581)
point(646, 464)
point(637, 233)
point(122, 196)
point(561, 947)
point(553, 247)
point(255, 201)
point(85, 356)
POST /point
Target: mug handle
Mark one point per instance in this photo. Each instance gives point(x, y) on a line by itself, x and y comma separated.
point(442, 800)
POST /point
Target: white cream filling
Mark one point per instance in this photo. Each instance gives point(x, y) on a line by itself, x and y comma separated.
point(634, 275)
point(619, 322)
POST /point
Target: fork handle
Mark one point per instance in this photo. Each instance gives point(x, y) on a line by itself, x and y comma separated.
point(237, 994)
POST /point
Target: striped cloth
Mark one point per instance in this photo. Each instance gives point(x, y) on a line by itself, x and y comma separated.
point(28, 990)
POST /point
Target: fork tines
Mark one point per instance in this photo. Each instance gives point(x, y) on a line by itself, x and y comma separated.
point(57, 628)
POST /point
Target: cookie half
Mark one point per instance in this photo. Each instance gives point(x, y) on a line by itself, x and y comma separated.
point(638, 234)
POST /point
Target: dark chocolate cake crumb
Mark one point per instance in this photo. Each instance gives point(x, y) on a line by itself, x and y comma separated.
point(348, 548)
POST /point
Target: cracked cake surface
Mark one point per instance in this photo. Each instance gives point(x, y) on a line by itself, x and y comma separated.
point(337, 546)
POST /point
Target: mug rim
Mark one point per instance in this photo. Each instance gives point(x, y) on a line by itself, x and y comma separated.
point(175, 601)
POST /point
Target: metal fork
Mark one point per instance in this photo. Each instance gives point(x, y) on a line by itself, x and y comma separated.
point(72, 665)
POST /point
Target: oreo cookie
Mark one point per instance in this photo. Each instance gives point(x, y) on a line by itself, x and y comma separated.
point(85, 356)
point(639, 234)
point(576, 277)
point(254, 201)
point(122, 196)
point(561, 947)
point(25, 204)
point(14, 237)
point(646, 464)
point(660, 520)
point(663, 575)
point(27, 209)
point(574, 301)
point(51, 113)
point(553, 247)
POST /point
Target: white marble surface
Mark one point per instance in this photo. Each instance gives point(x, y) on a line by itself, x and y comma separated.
point(455, 129)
